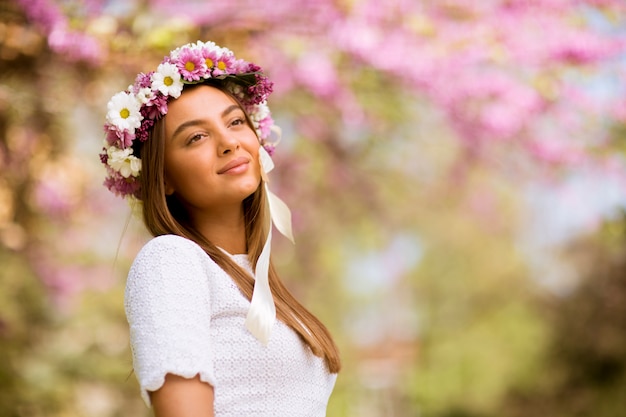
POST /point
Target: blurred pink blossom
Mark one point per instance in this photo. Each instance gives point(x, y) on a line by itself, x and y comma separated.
point(74, 45)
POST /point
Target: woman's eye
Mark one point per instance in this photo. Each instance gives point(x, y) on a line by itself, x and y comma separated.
point(195, 138)
point(237, 122)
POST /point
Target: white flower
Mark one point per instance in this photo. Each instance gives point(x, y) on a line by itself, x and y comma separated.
point(207, 44)
point(123, 111)
point(259, 111)
point(225, 52)
point(237, 91)
point(144, 95)
point(123, 162)
point(167, 80)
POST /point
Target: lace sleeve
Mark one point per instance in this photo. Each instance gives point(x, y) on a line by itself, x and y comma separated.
point(168, 307)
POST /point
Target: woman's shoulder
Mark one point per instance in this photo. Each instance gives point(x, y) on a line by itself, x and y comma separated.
point(169, 252)
point(169, 264)
point(169, 243)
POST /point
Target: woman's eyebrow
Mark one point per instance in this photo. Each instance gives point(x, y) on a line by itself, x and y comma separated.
point(230, 109)
point(197, 122)
point(185, 125)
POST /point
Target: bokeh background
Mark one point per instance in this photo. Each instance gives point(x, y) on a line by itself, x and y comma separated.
point(456, 170)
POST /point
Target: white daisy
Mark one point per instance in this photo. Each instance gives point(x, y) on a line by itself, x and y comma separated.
point(123, 111)
point(123, 162)
point(167, 80)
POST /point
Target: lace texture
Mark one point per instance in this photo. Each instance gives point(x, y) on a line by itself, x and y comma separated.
point(187, 316)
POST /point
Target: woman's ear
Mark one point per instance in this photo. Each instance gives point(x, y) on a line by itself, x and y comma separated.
point(169, 190)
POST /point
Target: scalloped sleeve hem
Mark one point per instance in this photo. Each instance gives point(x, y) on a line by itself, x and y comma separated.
point(156, 381)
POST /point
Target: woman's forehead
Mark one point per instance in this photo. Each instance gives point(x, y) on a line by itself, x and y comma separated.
point(199, 102)
point(209, 97)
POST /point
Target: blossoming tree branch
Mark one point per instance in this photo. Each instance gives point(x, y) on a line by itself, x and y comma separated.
point(511, 72)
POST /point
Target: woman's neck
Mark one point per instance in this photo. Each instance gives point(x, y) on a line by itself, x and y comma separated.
point(225, 229)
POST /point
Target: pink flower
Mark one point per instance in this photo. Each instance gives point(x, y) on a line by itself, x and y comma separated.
point(191, 64)
point(224, 65)
point(269, 147)
point(210, 59)
point(239, 66)
point(265, 127)
point(155, 108)
point(115, 137)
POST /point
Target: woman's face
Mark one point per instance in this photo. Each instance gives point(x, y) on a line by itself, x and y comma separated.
point(211, 153)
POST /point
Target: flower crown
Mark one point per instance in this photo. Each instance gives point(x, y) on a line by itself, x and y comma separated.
point(131, 114)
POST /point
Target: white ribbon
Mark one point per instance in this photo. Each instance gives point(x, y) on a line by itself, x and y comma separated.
point(262, 313)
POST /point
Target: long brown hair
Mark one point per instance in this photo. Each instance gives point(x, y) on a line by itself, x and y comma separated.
point(166, 215)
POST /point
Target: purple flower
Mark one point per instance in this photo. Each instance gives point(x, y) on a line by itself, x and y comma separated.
point(142, 81)
point(259, 92)
point(252, 67)
point(121, 186)
point(143, 133)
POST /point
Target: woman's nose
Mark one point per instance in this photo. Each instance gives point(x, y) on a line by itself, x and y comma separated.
point(227, 144)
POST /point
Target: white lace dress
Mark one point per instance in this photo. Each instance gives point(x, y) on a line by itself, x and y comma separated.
point(186, 317)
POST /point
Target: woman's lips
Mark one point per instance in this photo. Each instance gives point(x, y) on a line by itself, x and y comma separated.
point(235, 166)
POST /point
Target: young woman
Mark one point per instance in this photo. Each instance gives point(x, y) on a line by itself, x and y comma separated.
point(214, 332)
